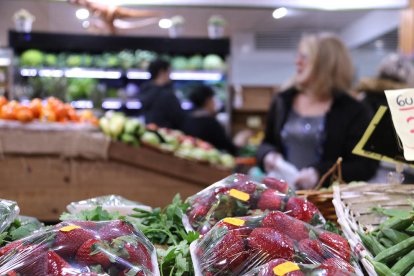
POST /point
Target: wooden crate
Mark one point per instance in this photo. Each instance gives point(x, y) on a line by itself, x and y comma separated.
point(43, 185)
point(323, 201)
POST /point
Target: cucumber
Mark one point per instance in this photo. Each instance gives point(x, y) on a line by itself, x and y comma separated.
point(371, 243)
point(394, 235)
point(386, 242)
point(397, 223)
point(391, 254)
point(404, 265)
point(382, 269)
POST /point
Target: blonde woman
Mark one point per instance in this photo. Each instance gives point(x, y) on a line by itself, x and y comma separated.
point(315, 121)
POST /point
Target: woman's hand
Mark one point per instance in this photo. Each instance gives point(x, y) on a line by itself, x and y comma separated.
point(307, 179)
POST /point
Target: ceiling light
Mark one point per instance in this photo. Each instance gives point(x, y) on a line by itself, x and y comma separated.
point(165, 23)
point(82, 14)
point(279, 13)
point(86, 24)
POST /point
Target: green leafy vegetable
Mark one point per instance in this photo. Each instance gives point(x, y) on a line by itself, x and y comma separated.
point(165, 227)
point(97, 214)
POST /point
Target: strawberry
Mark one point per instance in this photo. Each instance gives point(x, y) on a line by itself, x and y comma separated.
point(199, 211)
point(268, 241)
point(90, 225)
point(270, 200)
point(247, 187)
point(115, 229)
point(243, 231)
point(337, 246)
point(336, 267)
point(289, 226)
point(11, 273)
point(229, 253)
point(275, 184)
point(92, 252)
point(267, 269)
point(313, 250)
point(130, 250)
point(56, 266)
point(34, 260)
point(67, 243)
point(301, 209)
point(14, 245)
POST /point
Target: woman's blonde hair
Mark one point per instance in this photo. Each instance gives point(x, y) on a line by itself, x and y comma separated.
point(330, 66)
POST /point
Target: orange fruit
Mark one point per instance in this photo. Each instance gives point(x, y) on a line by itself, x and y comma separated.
point(36, 107)
point(7, 112)
point(48, 115)
point(24, 114)
point(3, 101)
point(60, 112)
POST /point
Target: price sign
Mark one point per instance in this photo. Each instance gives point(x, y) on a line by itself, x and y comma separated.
point(401, 104)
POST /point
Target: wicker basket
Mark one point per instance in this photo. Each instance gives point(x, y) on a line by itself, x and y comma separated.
point(322, 200)
point(353, 205)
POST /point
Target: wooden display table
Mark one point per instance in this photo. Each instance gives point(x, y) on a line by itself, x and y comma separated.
point(43, 184)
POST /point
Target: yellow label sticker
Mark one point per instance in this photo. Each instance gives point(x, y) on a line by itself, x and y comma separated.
point(285, 268)
point(69, 228)
point(234, 221)
point(239, 195)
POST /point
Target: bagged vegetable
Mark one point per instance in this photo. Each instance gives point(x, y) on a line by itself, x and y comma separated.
point(238, 246)
point(110, 203)
point(8, 213)
point(20, 228)
point(239, 195)
point(81, 248)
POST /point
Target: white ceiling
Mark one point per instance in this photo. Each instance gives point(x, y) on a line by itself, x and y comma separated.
point(60, 17)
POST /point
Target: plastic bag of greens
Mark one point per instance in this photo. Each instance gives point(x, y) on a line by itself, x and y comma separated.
point(81, 248)
point(20, 228)
point(239, 195)
point(110, 203)
point(238, 246)
point(8, 213)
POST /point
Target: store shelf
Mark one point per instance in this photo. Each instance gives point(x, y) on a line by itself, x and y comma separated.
point(97, 73)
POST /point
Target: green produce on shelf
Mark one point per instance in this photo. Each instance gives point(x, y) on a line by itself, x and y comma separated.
point(213, 62)
point(143, 58)
point(51, 60)
point(195, 62)
point(74, 61)
point(32, 58)
point(43, 87)
point(126, 59)
point(179, 63)
point(80, 88)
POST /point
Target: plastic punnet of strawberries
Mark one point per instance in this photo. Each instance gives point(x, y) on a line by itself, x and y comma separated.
point(81, 248)
point(239, 195)
point(258, 245)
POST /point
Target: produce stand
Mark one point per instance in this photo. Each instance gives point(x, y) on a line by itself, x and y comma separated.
point(45, 180)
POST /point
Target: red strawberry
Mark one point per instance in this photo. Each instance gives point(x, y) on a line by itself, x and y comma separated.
point(247, 187)
point(11, 273)
point(115, 229)
point(271, 242)
point(229, 253)
point(92, 252)
point(301, 209)
point(337, 246)
point(67, 243)
point(242, 230)
point(34, 260)
point(11, 246)
point(267, 269)
point(337, 267)
point(276, 184)
point(199, 211)
point(289, 226)
point(270, 200)
point(91, 225)
point(313, 249)
point(56, 266)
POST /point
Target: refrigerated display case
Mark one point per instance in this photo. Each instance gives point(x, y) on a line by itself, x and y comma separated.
point(6, 68)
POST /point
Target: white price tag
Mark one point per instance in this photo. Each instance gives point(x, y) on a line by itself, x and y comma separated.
point(401, 104)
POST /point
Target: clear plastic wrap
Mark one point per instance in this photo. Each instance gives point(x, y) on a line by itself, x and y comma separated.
point(110, 203)
point(81, 248)
point(238, 195)
point(8, 213)
point(238, 246)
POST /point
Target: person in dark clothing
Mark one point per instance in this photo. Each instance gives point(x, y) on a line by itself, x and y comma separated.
point(314, 122)
point(202, 122)
point(159, 103)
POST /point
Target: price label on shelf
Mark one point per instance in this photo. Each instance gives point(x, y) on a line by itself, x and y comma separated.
point(401, 104)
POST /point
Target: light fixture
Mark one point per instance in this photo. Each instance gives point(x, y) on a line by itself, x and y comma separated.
point(85, 24)
point(165, 23)
point(82, 14)
point(279, 13)
point(344, 4)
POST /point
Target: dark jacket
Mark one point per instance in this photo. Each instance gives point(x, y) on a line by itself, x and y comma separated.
point(207, 128)
point(345, 124)
point(161, 106)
